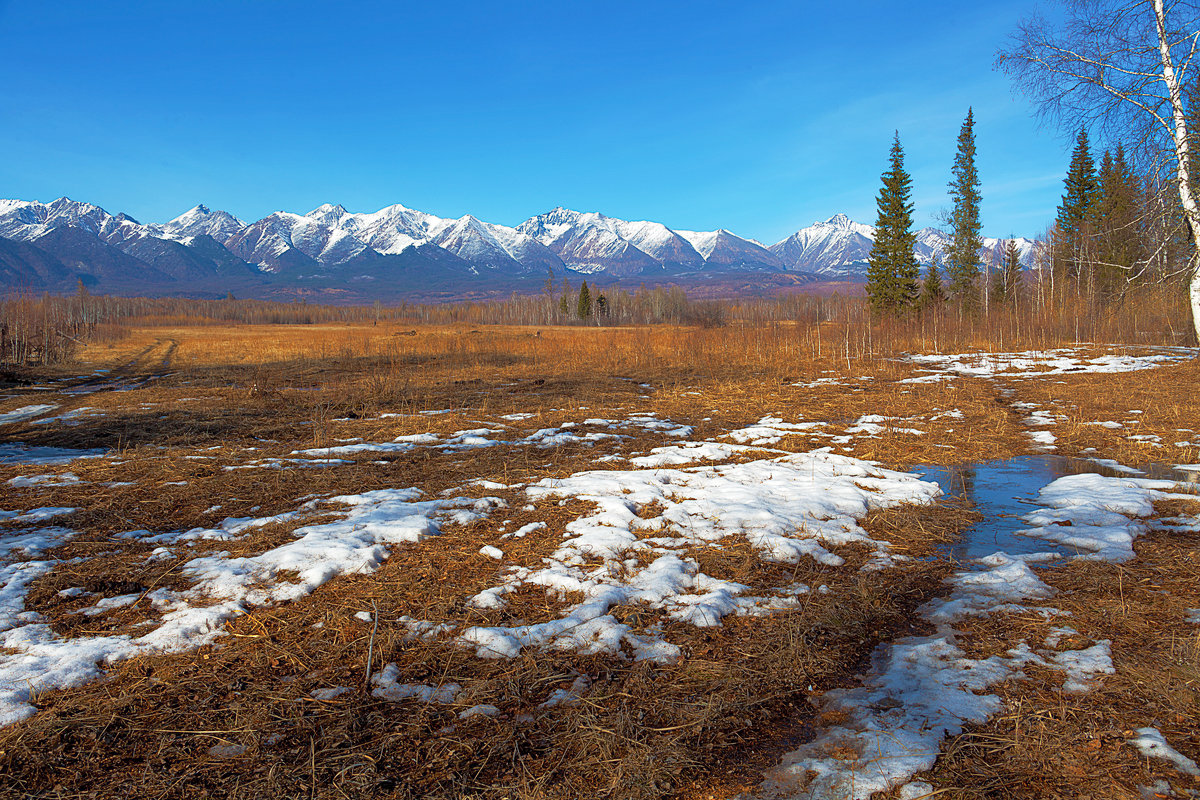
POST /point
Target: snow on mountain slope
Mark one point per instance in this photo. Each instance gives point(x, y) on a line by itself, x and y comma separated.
point(596, 249)
point(659, 242)
point(26, 221)
point(590, 242)
point(840, 247)
point(551, 226)
point(725, 250)
point(392, 230)
point(932, 243)
point(471, 240)
point(118, 250)
point(496, 246)
point(330, 241)
point(1026, 247)
point(824, 247)
point(269, 243)
point(201, 221)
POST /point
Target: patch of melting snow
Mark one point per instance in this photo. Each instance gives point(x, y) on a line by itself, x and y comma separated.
point(1047, 362)
point(32, 542)
point(481, 437)
point(43, 514)
point(770, 430)
point(921, 689)
point(567, 697)
point(1043, 418)
point(1095, 516)
point(481, 710)
point(387, 687)
point(1152, 744)
point(556, 437)
point(1083, 667)
point(18, 453)
point(26, 412)
point(288, 463)
point(525, 530)
point(692, 452)
point(1146, 438)
point(1043, 439)
point(874, 424)
point(106, 604)
point(818, 382)
point(72, 418)
point(38, 659)
point(1116, 466)
point(788, 508)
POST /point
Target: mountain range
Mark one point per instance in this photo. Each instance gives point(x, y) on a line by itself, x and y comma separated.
point(396, 252)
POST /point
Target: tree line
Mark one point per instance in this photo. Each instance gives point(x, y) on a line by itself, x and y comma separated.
point(894, 282)
point(1127, 220)
point(1124, 69)
point(48, 329)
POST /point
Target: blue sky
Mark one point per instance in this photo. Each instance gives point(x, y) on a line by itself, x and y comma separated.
point(759, 117)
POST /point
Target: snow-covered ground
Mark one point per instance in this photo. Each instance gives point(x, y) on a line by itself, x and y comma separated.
point(788, 506)
point(924, 688)
point(1042, 363)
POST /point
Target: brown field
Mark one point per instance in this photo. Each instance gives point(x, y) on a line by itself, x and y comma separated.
point(180, 404)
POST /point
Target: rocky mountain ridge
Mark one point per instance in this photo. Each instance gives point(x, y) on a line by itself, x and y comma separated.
point(397, 250)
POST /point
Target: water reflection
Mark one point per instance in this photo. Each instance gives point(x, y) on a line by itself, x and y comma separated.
point(1003, 491)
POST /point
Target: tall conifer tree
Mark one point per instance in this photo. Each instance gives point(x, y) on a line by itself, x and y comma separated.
point(1008, 279)
point(893, 271)
point(966, 235)
point(584, 306)
point(1076, 211)
point(1120, 247)
point(932, 290)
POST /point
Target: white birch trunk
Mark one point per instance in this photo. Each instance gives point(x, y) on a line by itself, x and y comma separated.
point(1183, 157)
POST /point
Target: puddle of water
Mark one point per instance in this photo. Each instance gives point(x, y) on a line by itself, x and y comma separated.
point(1004, 491)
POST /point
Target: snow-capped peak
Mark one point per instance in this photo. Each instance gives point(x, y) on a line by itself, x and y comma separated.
point(327, 210)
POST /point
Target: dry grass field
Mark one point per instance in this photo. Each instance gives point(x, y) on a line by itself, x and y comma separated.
point(344, 561)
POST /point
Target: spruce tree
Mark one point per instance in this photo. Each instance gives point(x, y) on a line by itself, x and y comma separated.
point(584, 307)
point(1077, 209)
point(966, 234)
point(564, 303)
point(932, 291)
point(1119, 231)
point(892, 268)
point(1010, 273)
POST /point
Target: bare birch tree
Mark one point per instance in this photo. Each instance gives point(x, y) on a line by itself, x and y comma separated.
point(1122, 65)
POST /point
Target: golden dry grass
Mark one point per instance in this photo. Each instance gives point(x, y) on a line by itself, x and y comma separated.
point(705, 727)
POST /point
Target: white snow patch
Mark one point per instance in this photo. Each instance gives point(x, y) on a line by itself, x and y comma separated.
point(1151, 743)
point(25, 412)
point(45, 456)
point(357, 542)
point(788, 508)
point(387, 688)
point(770, 430)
